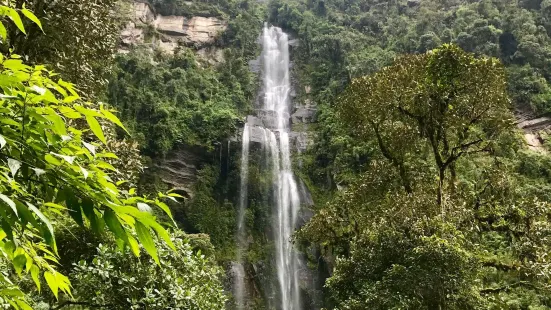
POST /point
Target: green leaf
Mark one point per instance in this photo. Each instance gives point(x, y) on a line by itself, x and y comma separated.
point(18, 263)
point(14, 16)
point(85, 111)
point(11, 292)
point(104, 165)
point(32, 17)
point(3, 32)
point(23, 305)
point(74, 206)
point(35, 272)
point(52, 283)
point(112, 117)
point(134, 246)
point(149, 221)
point(69, 112)
point(52, 160)
point(63, 283)
point(164, 207)
point(96, 128)
point(57, 121)
point(9, 202)
point(55, 205)
point(144, 235)
point(176, 195)
point(70, 99)
point(95, 222)
point(7, 228)
point(114, 224)
point(25, 214)
point(108, 155)
point(50, 239)
point(9, 121)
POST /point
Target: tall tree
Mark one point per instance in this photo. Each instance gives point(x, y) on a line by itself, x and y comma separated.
point(446, 100)
point(405, 241)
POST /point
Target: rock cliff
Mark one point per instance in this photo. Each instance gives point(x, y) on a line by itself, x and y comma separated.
point(536, 129)
point(145, 26)
point(179, 169)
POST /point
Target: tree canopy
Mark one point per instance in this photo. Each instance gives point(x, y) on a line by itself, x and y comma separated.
point(440, 218)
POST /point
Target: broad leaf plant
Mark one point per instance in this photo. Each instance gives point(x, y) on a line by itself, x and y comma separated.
point(54, 162)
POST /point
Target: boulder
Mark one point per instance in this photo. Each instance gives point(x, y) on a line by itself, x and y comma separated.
point(535, 143)
point(132, 35)
point(254, 121)
point(143, 13)
point(257, 134)
point(539, 123)
point(213, 56)
point(166, 46)
point(301, 140)
point(304, 115)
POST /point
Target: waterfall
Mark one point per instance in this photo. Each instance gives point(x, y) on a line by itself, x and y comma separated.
point(277, 89)
point(276, 151)
point(241, 234)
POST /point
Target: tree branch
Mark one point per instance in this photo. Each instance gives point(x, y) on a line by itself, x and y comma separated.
point(399, 164)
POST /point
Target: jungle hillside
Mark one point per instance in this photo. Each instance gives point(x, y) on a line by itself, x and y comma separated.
point(148, 148)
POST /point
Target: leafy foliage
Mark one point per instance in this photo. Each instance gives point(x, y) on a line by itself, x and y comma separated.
point(449, 101)
point(52, 164)
point(185, 279)
point(415, 232)
point(78, 40)
point(174, 101)
point(342, 40)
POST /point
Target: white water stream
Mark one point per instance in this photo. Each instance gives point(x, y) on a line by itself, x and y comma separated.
point(241, 233)
point(277, 90)
point(275, 140)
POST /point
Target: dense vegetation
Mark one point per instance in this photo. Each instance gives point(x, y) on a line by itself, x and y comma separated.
point(443, 208)
point(60, 168)
point(342, 40)
point(425, 195)
point(175, 101)
point(180, 99)
point(442, 218)
point(169, 101)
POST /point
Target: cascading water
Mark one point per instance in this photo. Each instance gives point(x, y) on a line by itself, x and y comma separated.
point(241, 243)
point(277, 90)
point(275, 142)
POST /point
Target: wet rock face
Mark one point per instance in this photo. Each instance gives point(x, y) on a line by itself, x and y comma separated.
point(179, 169)
point(172, 31)
point(304, 114)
